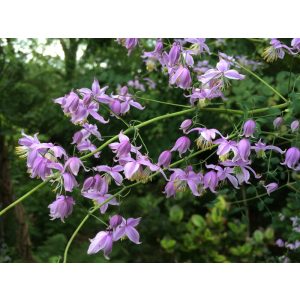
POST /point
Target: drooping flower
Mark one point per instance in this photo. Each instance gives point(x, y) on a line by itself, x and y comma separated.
point(278, 122)
point(218, 76)
point(113, 172)
point(271, 187)
point(249, 128)
point(128, 43)
point(62, 207)
point(182, 145)
point(295, 125)
point(261, 147)
point(292, 157)
point(295, 43)
point(127, 228)
point(206, 136)
point(224, 148)
point(181, 179)
point(102, 241)
point(199, 46)
point(164, 159)
point(244, 150)
point(225, 173)
point(210, 181)
point(185, 125)
point(181, 77)
point(72, 165)
point(276, 50)
point(174, 55)
point(69, 181)
point(115, 221)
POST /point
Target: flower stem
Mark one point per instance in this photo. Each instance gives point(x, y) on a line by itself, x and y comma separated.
point(3, 211)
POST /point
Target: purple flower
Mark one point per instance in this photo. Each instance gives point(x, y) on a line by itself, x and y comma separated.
point(180, 179)
point(182, 145)
point(279, 243)
point(124, 147)
point(165, 158)
point(102, 241)
point(185, 125)
point(115, 221)
point(62, 207)
point(210, 180)
point(295, 125)
point(94, 184)
point(295, 43)
point(276, 50)
point(249, 128)
point(271, 187)
point(260, 149)
point(174, 55)
point(114, 172)
point(241, 170)
point(181, 77)
point(134, 168)
point(244, 150)
point(127, 228)
point(206, 136)
point(224, 148)
point(128, 43)
point(278, 122)
point(225, 173)
point(198, 46)
point(69, 181)
point(292, 157)
point(218, 75)
point(205, 94)
point(73, 164)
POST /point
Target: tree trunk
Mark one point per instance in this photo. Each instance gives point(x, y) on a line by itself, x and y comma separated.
point(23, 242)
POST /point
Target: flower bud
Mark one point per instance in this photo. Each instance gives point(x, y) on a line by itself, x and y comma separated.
point(292, 157)
point(115, 107)
point(182, 145)
point(185, 125)
point(115, 221)
point(174, 54)
point(165, 158)
point(295, 125)
point(271, 187)
point(249, 128)
point(244, 148)
point(278, 122)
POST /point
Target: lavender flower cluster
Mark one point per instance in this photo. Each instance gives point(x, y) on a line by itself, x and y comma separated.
point(234, 153)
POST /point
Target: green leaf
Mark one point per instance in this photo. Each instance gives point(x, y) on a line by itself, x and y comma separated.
point(198, 221)
point(176, 214)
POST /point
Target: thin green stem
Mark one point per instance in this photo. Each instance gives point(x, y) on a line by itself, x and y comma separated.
point(3, 211)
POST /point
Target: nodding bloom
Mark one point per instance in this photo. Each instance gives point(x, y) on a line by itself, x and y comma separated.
point(279, 243)
point(181, 77)
point(244, 150)
point(112, 172)
point(174, 55)
point(120, 104)
point(96, 188)
point(96, 92)
point(204, 94)
point(198, 46)
point(185, 125)
point(292, 157)
point(72, 165)
point(181, 179)
point(139, 169)
point(115, 221)
point(241, 170)
point(211, 181)
point(218, 77)
point(295, 43)
point(278, 122)
point(295, 125)
point(224, 148)
point(127, 228)
point(129, 43)
point(225, 173)
point(249, 128)
point(206, 136)
point(275, 51)
point(102, 241)
point(164, 159)
point(124, 147)
point(156, 53)
point(182, 145)
point(69, 181)
point(271, 187)
point(261, 147)
point(62, 207)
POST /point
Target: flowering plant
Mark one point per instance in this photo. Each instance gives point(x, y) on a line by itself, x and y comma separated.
point(236, 157)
